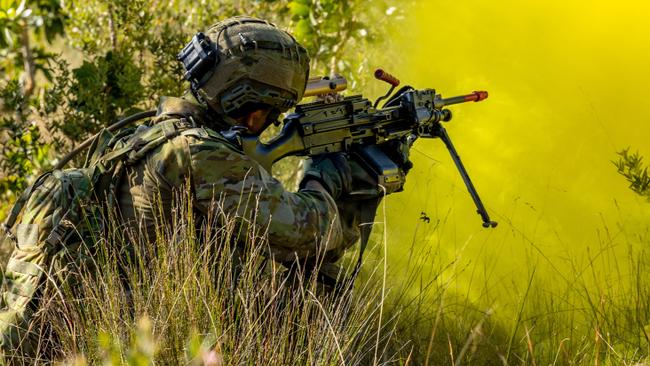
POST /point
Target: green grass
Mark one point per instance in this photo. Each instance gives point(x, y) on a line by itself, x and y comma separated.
point(191, 296)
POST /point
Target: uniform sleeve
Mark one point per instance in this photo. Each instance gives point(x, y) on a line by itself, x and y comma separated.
point(239, 190)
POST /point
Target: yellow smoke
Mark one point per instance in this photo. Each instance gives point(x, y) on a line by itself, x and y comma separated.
point(569, 85)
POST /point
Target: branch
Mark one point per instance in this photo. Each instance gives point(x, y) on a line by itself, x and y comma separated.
point(111, 27)
point(28, 62)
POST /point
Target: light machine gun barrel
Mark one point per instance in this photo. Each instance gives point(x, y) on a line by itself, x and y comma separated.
point(354, 126)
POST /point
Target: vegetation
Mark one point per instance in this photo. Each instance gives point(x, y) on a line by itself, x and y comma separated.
point(183, 299)
point(176, 303)
point(190, 294)
point(116, 58)
point(630, 165)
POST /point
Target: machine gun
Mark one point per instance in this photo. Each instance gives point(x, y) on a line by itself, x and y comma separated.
point(353, 125)
point(357, 127)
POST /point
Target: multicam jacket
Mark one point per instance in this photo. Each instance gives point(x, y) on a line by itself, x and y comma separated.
point(222, 177)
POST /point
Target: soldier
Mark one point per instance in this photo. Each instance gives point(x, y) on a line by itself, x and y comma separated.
point(244, 72)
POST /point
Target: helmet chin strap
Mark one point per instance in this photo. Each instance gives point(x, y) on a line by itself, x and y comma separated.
point(239, 127)
point(274, 118)
point(232, 122)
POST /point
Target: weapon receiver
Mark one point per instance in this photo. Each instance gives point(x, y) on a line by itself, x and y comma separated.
point(355, 126)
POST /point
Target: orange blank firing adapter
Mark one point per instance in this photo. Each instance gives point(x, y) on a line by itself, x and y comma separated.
point(476, 96)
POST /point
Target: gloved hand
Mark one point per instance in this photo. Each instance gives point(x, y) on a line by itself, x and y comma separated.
point(393, 156)
point(340, 175)
point(330, 170)
point(399, 152)
point(363, 181)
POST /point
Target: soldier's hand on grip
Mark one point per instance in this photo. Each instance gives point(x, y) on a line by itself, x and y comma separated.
point(380, 170)
point(399, 152)
point(332, 171)
point(364, 181)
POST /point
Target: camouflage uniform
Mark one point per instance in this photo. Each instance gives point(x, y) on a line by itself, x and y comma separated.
point(217, 170)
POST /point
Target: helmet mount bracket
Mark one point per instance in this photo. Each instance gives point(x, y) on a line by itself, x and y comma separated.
point(199, 58)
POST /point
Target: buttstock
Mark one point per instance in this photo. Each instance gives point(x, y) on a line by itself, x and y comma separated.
point(288, 142)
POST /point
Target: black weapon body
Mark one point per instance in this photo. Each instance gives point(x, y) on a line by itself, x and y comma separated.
point(354, 126)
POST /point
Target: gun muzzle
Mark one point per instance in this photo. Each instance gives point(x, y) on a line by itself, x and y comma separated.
point(476, 96)
point(325, 85)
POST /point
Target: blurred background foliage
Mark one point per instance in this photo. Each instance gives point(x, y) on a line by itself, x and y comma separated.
point(69, 68)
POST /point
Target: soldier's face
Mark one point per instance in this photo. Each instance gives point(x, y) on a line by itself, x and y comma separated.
point(255, 121)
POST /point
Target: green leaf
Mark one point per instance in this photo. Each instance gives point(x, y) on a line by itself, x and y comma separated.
point(20, 8)
point(303, 29)
point(328, 6)
point(6, 5)
point(26, 13)
point(299, 10)
point(8, 37)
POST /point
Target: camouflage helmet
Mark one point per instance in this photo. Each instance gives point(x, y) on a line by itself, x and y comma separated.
point(242, 62)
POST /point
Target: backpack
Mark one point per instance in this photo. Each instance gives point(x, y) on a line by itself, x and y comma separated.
point(53, 221)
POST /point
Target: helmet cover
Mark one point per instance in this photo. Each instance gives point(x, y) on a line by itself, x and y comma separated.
point(244, 61)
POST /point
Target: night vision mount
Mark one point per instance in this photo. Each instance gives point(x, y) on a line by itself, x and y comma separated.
point(199, 58)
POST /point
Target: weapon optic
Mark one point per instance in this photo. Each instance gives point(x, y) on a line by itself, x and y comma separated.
point(357, 127)
point(325, 85)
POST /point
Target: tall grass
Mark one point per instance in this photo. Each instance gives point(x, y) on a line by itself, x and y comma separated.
point(207, 287)
point(205, 291)
point(597, 314)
